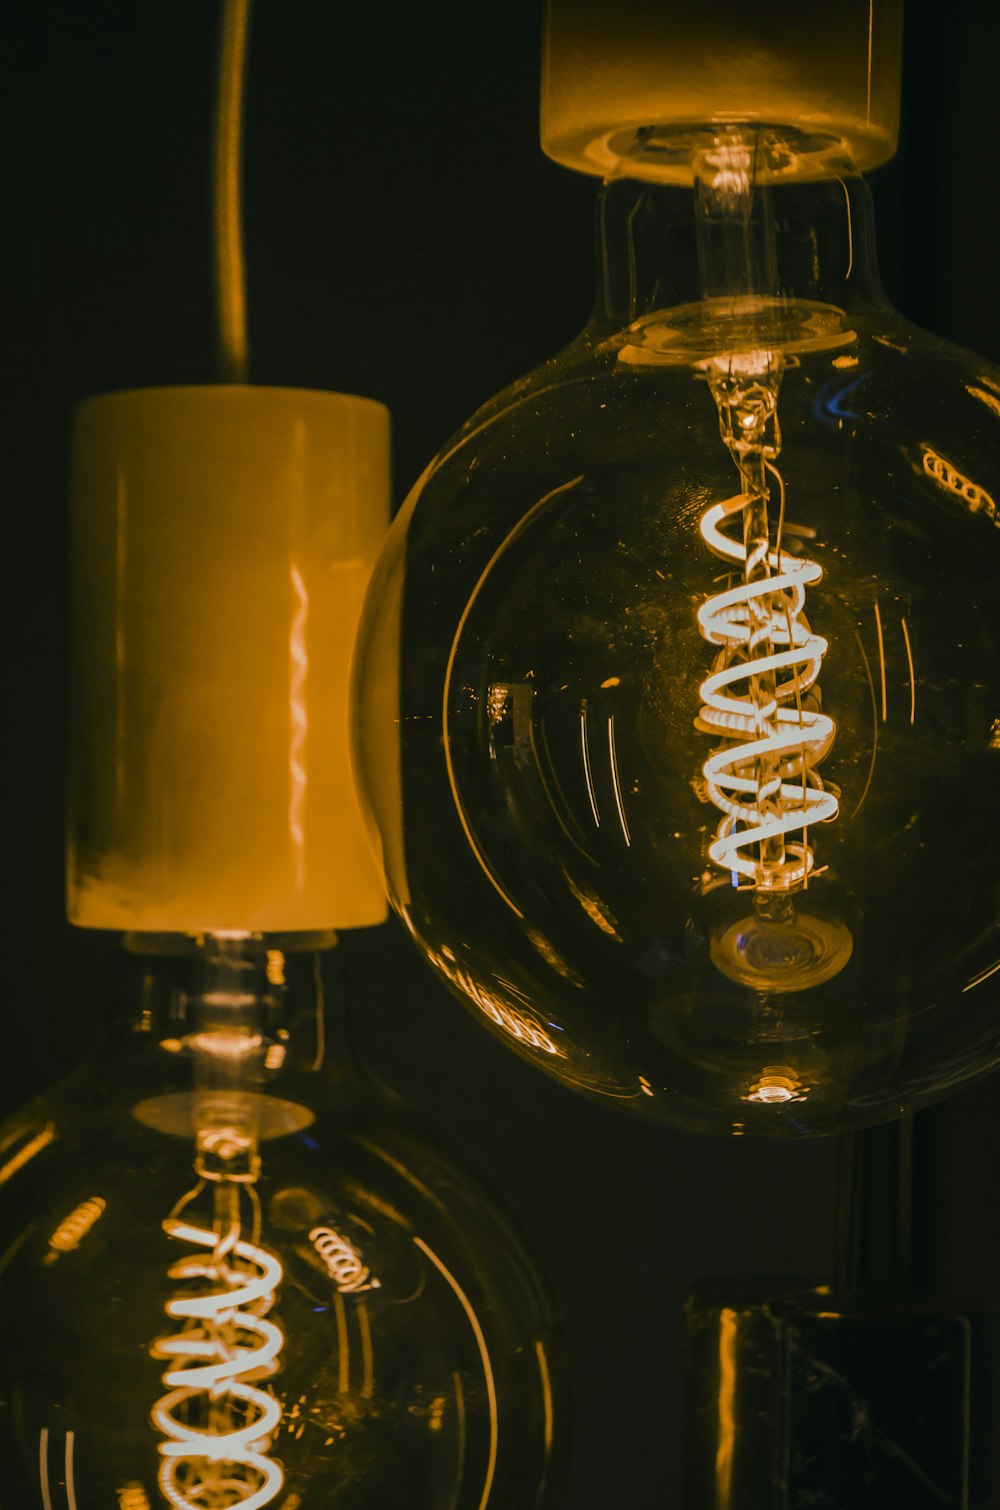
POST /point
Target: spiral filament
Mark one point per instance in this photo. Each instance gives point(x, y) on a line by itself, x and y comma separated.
point(132, 1496)
point(343, 1261)
point(777, 1083)
point(761, 697)
point(74, 1228)
point(218, 1422)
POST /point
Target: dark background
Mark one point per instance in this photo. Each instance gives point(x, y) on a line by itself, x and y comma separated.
point(408, 241)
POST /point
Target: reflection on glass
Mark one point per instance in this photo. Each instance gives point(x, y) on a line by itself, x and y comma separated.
point(777, 1083)
point(236, 1278)
point(74, 1228)
point(693, 643)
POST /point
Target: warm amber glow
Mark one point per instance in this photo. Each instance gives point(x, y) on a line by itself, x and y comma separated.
point(343, 1262)
point(778, 1083)
point(976, 499)
point(227, 197)
point(74, 1228)
point(65, 1473)
point(624, 85)
point(546, 1382)
point(298, 712)
point(15, 1161)
point(133, 1497)
point(519, 1025)
point(491, 1389)
point(222, 543)
point(983, 975)
point(221, 1045)
point(763, 776)
point(226, 1346)
point(727, 1416)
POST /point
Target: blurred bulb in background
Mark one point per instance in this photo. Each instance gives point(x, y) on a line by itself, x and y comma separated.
point(234, 1273)
point(678, 679)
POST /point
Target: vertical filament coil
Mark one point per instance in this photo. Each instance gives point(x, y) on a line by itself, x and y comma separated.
point(219, 1425)
point(763, 613)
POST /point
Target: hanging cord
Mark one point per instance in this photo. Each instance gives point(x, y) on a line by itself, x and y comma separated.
point(227, 192)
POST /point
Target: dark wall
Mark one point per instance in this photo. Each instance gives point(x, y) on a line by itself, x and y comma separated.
point(408, 241)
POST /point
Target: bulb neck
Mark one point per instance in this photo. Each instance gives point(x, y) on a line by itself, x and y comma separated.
point(734, 263)
point(262, 1014)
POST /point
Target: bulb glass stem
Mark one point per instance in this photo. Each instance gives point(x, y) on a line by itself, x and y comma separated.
point(229, 1053)
point(734, 217)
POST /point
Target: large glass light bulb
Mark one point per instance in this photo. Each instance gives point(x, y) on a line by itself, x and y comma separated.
point(232, 1273)
point(679, 679)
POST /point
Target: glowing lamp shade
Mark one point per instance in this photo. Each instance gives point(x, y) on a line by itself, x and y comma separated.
point(222, 542)
point(694, 636)
point(628, 83)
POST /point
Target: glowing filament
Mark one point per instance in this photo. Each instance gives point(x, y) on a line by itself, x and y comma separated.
point(765, 638)
point(219, 1424)
point(132, 1496)
point(74, 1228)
point(343, 1261)
point(777, 1083)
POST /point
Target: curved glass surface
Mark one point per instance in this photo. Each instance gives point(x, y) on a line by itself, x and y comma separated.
point(350, 1323)
point(679, 690)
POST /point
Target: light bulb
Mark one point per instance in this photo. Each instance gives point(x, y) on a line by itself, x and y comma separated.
point(232, 1272)
point(679, 679)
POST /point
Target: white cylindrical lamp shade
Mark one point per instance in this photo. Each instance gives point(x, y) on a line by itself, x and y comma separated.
point(222, 540)
point(622, 84)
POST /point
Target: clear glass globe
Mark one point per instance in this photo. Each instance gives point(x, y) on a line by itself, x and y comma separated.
point(679, 685)
point(370, 1329)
